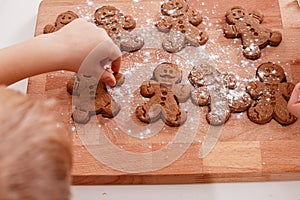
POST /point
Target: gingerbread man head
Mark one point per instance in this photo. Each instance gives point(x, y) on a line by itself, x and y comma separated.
point(106, 14)
point(65, 18)
point(61, 20)
point(236, 14)
point(108, 17)
point(174, 8)
point(167, 74)
point(270, 73)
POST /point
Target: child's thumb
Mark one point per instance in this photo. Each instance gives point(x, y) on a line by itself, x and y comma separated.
point(108, 78)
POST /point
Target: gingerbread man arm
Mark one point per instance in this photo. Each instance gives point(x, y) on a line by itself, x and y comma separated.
point(229, 80)
point(257, 15)
point(182, 92)
point(231, 31)
point(194, 17)
point(287, 89)
point(120, 78)
point(239, 102)
point(164, 24)
point(255, 89)
point(148, 88)
point(48, 29)
point(200, 96)
point(128, 22)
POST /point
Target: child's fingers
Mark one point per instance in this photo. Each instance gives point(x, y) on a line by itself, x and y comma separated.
point(108, 78)
point(295, 97)
point(294, 102)
point(108, 50)
point(106, 53)
point(116, 65)
point(294, 109)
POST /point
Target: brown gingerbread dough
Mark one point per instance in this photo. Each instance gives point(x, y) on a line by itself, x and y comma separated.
point(247, 26)
point(61, 20)
point(165, 93)
point(216, 91)
point(117, 27)
point(91, 97)
point(271, 94)
point(180, 22)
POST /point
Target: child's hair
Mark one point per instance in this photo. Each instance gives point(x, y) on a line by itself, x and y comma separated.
point(35, 151)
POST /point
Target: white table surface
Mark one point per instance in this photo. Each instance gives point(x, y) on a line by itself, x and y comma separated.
point(18, 19)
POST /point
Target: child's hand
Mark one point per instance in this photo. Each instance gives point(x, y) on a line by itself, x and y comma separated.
point(79, 39)
point(294, 102)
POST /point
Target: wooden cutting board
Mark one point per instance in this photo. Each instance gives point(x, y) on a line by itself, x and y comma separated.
point(245, 151)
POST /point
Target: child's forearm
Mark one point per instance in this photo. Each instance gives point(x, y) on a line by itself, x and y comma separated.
point(65, 49)
point(35, 56)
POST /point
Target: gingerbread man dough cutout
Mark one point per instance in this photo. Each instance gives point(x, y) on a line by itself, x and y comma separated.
point(91, 97)
point(180, 22)
point(271, 94)
point(216, 90)
point(61, 20)
point(117, 27)
point(247, 26)
point(165, 93)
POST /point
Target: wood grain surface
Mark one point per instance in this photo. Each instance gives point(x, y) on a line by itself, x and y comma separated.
point(245, 151)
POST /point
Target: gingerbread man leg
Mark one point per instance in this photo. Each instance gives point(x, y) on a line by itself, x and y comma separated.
point(252, 51)
point(81, 116)
point(275, 38)
point(174, 42)
point(218, 117)
point(261, 113)
point(238, 102)
point(148, 112)
point(104, 103)
point(108, 108)
point(173, 115)
point(200, 96)
point(196, 37)
point(219, 111)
